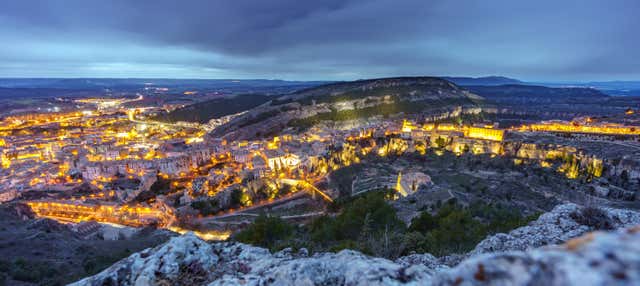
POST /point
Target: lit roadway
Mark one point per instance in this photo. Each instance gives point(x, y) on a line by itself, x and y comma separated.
point(293, 182)
point(241, 211)
point(309, 188)
point(133, 119)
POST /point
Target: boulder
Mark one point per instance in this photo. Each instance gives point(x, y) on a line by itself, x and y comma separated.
point(173, 261)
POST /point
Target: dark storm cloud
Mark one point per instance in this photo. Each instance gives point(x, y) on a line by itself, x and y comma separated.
point(320, 39)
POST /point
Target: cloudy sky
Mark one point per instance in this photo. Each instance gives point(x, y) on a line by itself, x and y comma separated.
point(321, 40)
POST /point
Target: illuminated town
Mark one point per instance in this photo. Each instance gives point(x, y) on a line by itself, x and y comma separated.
point(258, 143)
point(102, 162)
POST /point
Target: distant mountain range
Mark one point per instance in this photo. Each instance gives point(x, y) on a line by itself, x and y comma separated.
point(128, 83)
point(615, 88)
point(618, 88)
point(25, 93)
point(520, 94)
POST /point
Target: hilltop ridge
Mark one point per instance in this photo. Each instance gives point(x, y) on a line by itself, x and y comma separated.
point(393, 85)
point(348, 101)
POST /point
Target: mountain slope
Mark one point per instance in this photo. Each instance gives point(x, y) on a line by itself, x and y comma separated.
point(215, 108)
point(349, 100)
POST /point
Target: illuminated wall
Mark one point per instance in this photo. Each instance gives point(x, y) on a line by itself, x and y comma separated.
point(484, 133)
point(596, 129)
point(74, 212)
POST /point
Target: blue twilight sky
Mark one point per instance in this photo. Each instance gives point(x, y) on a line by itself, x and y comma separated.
point(324, 40)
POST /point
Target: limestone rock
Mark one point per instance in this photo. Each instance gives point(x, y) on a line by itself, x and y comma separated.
point(516, 258)
point(162, 263)
point(554, 227)
point(594, 259)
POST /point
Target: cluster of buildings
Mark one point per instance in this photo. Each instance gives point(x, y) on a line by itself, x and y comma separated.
point(61, 151)
point(57, 151)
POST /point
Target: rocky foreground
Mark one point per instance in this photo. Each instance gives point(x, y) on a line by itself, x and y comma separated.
point(562, 247)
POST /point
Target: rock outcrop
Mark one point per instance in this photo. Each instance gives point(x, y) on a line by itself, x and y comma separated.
point(593, 259)
point(596, 258)
point(346, 267)
point(168, 262)
point(557, 226)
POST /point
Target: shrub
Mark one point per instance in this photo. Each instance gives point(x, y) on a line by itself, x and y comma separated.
point(423, 223)
point(456, 232)
point(455, 229)
point(374, 208)
point(370, 225)
point(206, 207)
point(236, 198)
point(31, 271)
point(266, 231)
point(593, 217)
point(94, 264)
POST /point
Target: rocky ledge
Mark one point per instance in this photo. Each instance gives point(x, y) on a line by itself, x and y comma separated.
point(517, 258)
point(564, 222)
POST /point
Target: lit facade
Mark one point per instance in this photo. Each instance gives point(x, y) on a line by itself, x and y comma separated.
point(484, 133)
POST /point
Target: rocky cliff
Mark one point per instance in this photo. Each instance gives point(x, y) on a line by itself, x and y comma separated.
point(516, 258)
point(349, 101)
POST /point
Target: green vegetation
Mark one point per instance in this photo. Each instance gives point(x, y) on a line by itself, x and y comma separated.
point(366, 224)
point(28, 271)
point(204, 111)
point(359, 93)
point(369, 224)
point(267, 232)
point(206, 207)
point(212, 206)
point(93, 265)
point(441, 143)
point(456, 229)
point(236, 198)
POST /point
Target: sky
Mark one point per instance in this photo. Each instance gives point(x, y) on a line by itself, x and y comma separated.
point(543, 40)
